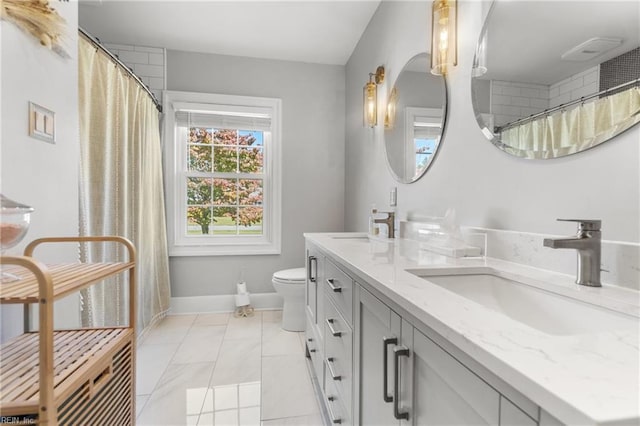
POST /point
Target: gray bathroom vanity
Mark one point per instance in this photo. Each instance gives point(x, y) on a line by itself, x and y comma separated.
point(399, 335)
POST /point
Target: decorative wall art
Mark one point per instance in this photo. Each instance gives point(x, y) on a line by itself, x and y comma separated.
point(37, 18)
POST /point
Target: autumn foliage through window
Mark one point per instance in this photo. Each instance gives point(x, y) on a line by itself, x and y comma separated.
point(224, 181)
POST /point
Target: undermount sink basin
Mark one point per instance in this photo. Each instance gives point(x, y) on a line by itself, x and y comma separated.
point(543, 310)
point(350, 237)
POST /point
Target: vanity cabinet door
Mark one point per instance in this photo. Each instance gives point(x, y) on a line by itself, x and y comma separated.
point(547, 419)
point(376, 323)
point(313, 295)
point(510, 415)
point(445, 392)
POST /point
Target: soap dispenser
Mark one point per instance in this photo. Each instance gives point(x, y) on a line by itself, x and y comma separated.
point(374, 228)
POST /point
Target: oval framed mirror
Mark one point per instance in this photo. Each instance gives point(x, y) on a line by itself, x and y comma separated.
point(551, 79)
point(414, 120)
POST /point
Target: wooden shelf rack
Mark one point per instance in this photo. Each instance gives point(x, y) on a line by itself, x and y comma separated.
point(82, 376)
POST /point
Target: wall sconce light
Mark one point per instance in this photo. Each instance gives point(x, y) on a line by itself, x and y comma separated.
point(392, 104)
point(444, 45)
point(371, 97)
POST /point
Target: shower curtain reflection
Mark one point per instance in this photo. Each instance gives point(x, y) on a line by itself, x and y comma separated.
point(580, 128)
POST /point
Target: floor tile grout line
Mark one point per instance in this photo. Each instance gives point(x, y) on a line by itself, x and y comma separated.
point(143, 405)
point(224, 338)
point(164, 371)
point(261, 361)
point(209, 385)
point(171, 359)
point(263, 327)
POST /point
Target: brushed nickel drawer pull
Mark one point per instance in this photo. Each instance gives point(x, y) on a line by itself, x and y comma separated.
point(333, 287)
point(334, 376)
point(333, 331)
point(333, 417)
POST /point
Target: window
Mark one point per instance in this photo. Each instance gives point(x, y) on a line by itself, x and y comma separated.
point(222, 174)
point(424, 127)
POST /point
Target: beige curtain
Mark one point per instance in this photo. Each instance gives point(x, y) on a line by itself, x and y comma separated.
point(121, 188)
point(567, 132)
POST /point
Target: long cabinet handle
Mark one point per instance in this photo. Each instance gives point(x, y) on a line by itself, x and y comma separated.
point(334, 376)
point(334, 419)
point(333, 331)
point(386, 341)
point(333, 287)
point(312, 259)
point(398, 352)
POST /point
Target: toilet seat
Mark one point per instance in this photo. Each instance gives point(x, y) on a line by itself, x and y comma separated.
point(290, 276)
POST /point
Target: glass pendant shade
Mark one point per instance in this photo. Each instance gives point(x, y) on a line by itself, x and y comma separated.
point(480, 59)
point(370, 102)
point(444, 51)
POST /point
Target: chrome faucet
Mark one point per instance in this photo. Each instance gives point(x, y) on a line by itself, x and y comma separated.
point(588, 244)
point(389, 221)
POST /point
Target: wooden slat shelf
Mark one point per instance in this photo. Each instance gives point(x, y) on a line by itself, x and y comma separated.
point(68, 376)
point(67, 278)
point(79, 360)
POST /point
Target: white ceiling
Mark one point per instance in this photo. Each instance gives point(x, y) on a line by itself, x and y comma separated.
point(527, 38)
point(323, 32)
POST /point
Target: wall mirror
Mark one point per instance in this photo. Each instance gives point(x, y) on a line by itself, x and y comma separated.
point(414, 119)
point(554, 78)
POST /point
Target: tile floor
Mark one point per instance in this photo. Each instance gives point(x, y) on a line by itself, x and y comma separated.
point(215, 369)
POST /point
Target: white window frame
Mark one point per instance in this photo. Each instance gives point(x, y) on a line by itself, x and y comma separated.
point(430, 117)
point(175, 166)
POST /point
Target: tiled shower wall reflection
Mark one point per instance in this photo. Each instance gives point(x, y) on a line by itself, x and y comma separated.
point(148, 63)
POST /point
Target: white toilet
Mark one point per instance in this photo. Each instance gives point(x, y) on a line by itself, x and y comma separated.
point(289, 284)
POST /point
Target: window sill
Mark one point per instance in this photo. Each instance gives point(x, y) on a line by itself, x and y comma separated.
point(224, 250)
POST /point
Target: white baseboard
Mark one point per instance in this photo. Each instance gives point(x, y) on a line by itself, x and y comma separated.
point(222, 303)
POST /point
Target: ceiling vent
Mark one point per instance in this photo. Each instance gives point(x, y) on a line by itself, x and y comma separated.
point(591, 48)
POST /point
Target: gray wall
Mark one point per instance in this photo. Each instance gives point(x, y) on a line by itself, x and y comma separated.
point(34, 172)
point(313, 117)
point(486, 186)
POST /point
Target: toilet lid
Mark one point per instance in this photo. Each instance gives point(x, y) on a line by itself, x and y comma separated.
point(291, 275)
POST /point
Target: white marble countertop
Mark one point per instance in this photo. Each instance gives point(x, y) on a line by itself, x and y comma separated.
point(585, 378)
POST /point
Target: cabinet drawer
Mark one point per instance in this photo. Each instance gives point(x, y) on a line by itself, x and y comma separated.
point(339, 353)
point(336, 407)
point(337, 331)
point(314, 345)
point(339, 286)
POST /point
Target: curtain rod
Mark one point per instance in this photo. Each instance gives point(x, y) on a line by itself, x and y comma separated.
point(122, 65)
point(499, 129)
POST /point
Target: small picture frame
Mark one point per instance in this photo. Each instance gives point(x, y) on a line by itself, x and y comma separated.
point(42, 123)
